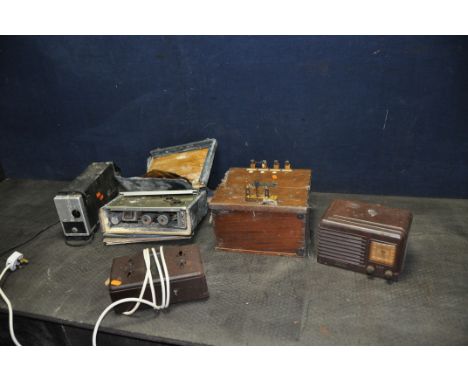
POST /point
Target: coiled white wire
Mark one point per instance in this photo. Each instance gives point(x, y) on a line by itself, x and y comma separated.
point(10, 310)
point(165, 289)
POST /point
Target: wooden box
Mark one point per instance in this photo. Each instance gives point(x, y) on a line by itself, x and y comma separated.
point(263, 210)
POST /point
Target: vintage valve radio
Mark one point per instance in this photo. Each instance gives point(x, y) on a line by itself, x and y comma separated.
point(79, 202)
point(186, 276)
point(263, 210)
point(366, 238)
point(167, 203)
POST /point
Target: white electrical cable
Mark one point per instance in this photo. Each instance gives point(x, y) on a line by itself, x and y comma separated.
point(168, 287)
point(113, 305)
point(165, 289)
point(10, 310)
point(147, 279)
point(3, 272)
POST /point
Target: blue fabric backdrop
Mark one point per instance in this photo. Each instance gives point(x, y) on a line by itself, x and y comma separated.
point(384, 115)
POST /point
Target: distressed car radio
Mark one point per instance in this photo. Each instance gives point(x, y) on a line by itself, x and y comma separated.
point(153, 215)
point(167, 203)
point(366, 238)
point(78, 204)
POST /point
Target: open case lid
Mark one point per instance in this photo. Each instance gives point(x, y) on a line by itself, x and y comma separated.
point(192, 161)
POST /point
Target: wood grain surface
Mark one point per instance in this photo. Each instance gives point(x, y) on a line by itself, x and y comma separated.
point(291, 189)
point(261, 232)
point(188, 164)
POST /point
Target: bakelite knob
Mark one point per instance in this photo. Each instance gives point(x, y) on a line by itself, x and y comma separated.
point(370, 269)
point(388, 274)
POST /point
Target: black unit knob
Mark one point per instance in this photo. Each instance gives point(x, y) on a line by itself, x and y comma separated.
point(76, 213)
point(370, 269)
point(388, 274)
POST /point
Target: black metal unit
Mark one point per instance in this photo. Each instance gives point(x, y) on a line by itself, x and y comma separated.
point(78, 204)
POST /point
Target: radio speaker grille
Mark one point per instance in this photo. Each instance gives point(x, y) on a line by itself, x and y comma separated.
point(341, 247)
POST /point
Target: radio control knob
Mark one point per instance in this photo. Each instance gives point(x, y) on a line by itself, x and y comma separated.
point(115, 219)
point(370, 269)
point(388, 274)
point(163, 219)
point(147, 219)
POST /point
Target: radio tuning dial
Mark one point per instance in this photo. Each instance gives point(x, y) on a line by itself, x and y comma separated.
point(370, 269)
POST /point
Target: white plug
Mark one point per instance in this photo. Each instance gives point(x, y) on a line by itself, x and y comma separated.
point(14, 260)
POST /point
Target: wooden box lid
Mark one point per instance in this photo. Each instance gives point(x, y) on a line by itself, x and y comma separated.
point(290, 189)
point(192, 161)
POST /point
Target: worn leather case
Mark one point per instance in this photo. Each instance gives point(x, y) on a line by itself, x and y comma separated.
point(365, 238)
point(186, 275)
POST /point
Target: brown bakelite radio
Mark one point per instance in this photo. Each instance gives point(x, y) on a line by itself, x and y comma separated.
point(366, 238)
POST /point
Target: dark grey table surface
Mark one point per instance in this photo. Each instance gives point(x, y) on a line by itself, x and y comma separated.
point(254, 299)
